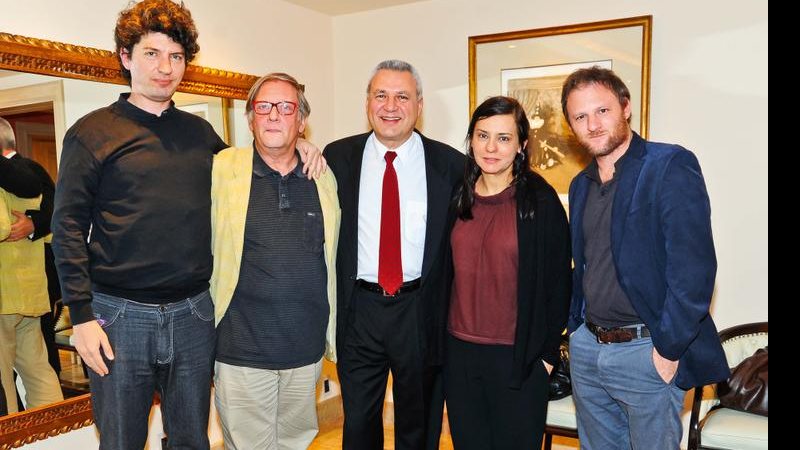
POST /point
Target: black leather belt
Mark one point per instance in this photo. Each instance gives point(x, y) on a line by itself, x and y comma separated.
point(617, 334)
point(405, 288)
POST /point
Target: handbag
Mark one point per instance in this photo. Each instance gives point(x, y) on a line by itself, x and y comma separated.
point(560, 382)
point(746, 388)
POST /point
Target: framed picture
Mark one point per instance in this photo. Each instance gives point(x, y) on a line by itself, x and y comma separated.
point(531, 66)
point(198, 109)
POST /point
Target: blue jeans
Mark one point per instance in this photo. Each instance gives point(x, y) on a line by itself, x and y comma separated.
point(166, 348)
point(621, 400)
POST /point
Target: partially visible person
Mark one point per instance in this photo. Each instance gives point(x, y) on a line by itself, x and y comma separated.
point(644, 275)
point(17, 178)
point(394, 188)
point(5, 221)
point(274, 282)
point(35, 224)
point(23, 290)
point(510, 287)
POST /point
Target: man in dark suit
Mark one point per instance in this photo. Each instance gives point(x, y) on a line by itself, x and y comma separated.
point(394, 189)
point(644, 275)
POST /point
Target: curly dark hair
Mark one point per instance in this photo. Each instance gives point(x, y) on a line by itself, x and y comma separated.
point(155, 16)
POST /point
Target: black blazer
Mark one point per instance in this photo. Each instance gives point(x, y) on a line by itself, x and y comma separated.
point(41, 217)
point(544, 278)
point(16, 177)
point(444, 167)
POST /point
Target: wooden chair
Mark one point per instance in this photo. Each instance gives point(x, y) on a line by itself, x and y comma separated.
point(712, 426)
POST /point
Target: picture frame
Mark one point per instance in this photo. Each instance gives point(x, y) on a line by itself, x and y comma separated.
point(531, 66)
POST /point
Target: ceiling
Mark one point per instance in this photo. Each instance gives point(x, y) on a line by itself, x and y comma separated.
point(338, 7)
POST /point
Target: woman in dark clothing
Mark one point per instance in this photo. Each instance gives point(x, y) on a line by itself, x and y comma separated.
point(509, 298)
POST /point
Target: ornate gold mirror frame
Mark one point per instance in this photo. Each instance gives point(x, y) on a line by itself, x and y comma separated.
point(27, 54)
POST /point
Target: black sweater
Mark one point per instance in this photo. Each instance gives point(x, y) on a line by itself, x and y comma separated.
point(143, 184)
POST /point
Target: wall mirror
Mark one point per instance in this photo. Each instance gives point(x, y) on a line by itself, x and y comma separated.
point(40, 77)
point(531, 66)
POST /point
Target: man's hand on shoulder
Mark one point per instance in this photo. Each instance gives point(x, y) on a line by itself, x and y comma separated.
point(314, 164)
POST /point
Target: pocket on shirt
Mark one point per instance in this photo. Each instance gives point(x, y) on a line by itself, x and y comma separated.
point(416, 219)
point(313, 232)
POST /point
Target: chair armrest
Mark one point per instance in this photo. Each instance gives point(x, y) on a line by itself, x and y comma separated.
point(704, 400)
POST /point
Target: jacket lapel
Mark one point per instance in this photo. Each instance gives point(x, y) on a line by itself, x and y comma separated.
point(356, 155)
point(438, 201)
point(625, 191)
point(242, 177)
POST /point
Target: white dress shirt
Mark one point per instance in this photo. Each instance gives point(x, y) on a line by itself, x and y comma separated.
point(413, 187)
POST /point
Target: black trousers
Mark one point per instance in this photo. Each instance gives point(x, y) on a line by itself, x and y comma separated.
point(385, 334)
point(483, 411)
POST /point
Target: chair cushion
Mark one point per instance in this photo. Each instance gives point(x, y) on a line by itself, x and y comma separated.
point(562, 413)
point(727, 428)
point(740, 347)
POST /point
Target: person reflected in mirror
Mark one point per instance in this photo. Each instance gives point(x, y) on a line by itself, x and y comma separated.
point(644, 259)
point(510, 284)
point(394, 188)
point(35, 224)
point(23, 287)
point(274, 281)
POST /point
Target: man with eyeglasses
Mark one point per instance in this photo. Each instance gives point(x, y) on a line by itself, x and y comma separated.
point(274, 280)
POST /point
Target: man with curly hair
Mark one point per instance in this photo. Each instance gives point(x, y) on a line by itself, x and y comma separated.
point(132, 233)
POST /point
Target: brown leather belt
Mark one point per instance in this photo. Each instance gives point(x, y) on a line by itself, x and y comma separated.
point(617, 334)
point(405, 288)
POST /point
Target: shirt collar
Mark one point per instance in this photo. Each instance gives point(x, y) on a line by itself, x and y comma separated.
point(262, 169)
point(11, 155)
point(405, 151)
point(139, 113)
point(593, 171)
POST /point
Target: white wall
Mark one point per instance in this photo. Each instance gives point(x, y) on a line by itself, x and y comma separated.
point(708, 93)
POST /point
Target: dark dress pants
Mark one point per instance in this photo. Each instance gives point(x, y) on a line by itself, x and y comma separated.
point(484, 412)
point(383, 334)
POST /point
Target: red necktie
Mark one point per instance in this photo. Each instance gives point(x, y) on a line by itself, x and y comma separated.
point(390, 265)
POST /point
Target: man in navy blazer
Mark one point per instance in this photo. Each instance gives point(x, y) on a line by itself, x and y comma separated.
point(384, 328)
point(641, 333)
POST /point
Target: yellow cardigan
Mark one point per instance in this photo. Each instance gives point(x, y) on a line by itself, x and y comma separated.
point(5, 221)
point(23, 284)
point(230, 194)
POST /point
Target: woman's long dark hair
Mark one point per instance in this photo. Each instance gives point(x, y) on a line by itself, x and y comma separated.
point(521, 169)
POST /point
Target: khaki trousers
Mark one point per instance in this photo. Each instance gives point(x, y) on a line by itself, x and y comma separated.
point(22, 348)
point(267, 409)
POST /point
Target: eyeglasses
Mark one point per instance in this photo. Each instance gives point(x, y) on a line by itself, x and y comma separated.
point(285, 107)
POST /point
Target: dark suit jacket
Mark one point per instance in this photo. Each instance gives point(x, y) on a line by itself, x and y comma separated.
point(663, 251)
point(444, 167)
point(41, 217)
point(17, 177)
